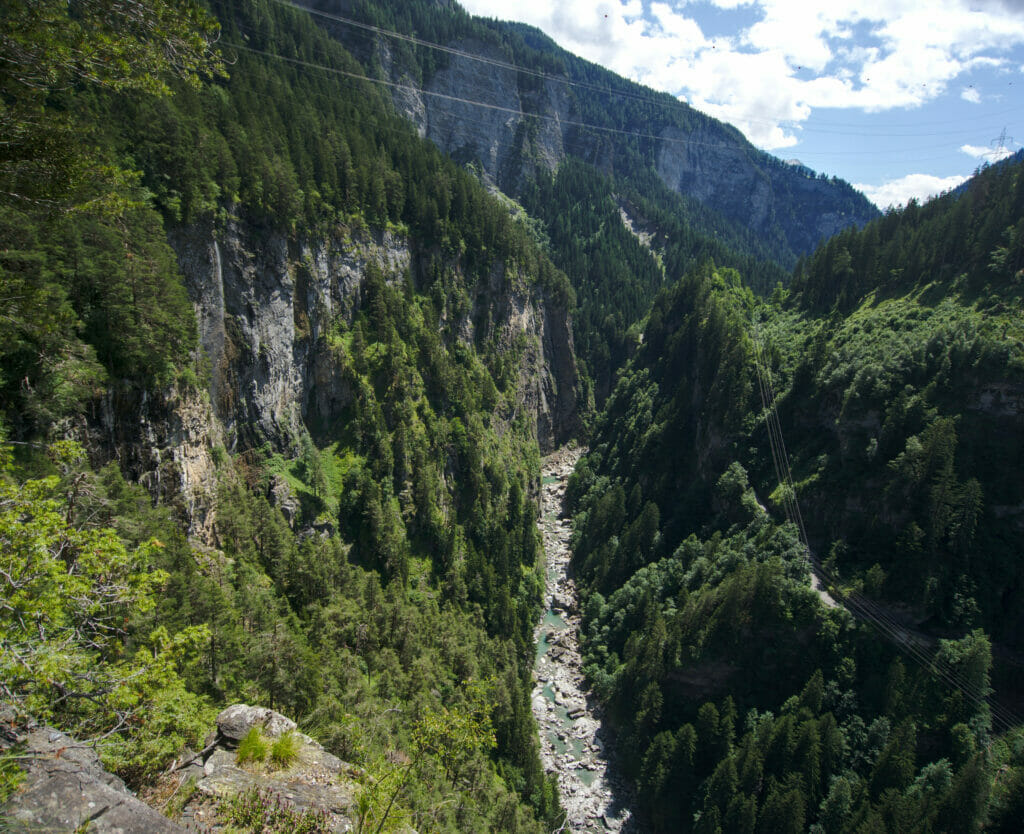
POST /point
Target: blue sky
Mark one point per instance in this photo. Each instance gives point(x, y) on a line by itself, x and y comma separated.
point(903, 98)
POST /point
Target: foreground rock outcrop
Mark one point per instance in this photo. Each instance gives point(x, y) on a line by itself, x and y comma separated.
point(314, 780)
point(66, 788)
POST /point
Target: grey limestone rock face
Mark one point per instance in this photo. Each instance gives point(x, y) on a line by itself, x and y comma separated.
point(264, 303)
point(480, 116)
point(718, 173)
point(66, 789)
point(165, 440)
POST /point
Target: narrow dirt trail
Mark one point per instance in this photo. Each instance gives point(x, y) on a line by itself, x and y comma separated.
point(574, 745)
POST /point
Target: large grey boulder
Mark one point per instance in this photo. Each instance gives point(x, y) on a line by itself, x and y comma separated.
point(314, 781)
point(235, 722)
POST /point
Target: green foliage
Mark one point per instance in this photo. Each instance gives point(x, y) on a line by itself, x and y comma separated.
point(895, 356)
point(11, 775)
point(90, 298)
point(697, 603)
point(615, 276)
point(69, 656)
point(264, 812)
point(253, 748)
point(51, 48)
point(284, 750)
point(410, 568)
point(424, 571)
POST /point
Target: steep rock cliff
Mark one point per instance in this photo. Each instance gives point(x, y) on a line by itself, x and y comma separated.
point(265, 303)
point(484, 117)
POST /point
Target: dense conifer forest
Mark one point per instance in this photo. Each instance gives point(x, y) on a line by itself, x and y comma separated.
point(389, 605)
point(731, 683)
point(424, 596)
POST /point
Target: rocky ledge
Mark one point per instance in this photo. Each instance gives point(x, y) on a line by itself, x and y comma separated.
point(66, 788)
point(314, 780)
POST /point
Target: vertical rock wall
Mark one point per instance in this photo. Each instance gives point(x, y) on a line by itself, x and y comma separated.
point(264, 301)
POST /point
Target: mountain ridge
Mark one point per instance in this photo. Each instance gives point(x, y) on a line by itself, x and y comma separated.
point(693, 154)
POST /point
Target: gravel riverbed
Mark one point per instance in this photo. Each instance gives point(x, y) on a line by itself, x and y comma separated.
point(574, 745)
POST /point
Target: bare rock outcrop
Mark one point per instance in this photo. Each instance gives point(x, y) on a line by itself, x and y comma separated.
point(314, 780)
point(266, 305)
point(66, 789)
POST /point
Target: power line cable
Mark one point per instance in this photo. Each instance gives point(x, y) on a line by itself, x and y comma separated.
point(556, 120)
point(863, 607)
point(908, 641)
point(896, 634)
point(658, 99)
point(390, 33)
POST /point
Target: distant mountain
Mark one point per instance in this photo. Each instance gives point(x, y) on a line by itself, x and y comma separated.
point(505, 97)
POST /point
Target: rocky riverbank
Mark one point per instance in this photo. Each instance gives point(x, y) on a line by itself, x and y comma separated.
point(574, 745)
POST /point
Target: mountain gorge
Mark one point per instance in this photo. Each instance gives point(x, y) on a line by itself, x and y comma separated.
point(290, 318)
point(561, 135)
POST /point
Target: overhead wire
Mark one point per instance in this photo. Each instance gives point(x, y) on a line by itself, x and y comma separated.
point(460, 100)
point(901, 636)
point(483, 59)
point(567, 139)
point(665, 137)
point(862, 607)
point(908, 641)
point(659, 99)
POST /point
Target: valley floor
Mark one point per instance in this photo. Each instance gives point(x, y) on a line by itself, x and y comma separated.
point(574, 743)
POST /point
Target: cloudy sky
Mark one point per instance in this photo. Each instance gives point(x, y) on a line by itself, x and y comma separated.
point(903, 98)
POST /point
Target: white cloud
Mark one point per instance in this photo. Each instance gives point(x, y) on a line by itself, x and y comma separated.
point(871, 55)
point(987, 153)
point(917, 186)
point(971, 94)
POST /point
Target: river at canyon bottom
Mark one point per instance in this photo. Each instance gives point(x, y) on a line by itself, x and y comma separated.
point(574, 743)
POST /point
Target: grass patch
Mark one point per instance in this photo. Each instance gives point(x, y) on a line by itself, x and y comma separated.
point(335, 464)
point(253, 748)
point(11, 774)
point(285, 749)
point(255, 810)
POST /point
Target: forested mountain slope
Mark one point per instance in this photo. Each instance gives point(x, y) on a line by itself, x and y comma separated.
point(897, 360)
point(331, 357)
point(541, 104)
point(276, 374)
point(571, 140)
